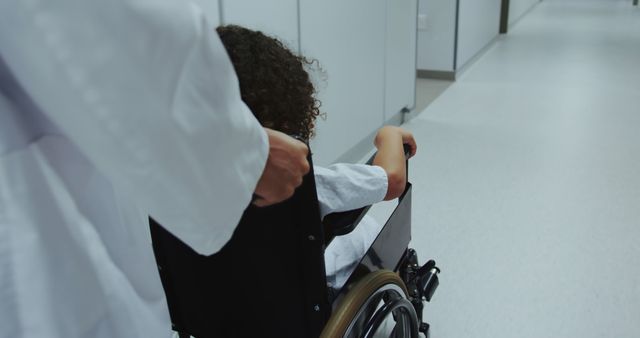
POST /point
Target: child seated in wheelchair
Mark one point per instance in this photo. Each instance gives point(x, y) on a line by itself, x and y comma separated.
point(276, 87)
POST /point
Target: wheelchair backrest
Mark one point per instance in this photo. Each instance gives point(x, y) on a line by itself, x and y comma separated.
point(267, 281)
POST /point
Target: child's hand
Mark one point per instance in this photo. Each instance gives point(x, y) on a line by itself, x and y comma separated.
point(391, 157)
point(387, 133)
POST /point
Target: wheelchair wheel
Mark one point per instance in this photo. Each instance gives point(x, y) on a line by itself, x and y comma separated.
point(377, 306)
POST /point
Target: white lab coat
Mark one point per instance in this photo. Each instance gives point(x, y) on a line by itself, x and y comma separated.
point(111, 111)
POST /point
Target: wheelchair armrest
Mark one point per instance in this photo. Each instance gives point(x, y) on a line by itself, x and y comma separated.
point(342, 223)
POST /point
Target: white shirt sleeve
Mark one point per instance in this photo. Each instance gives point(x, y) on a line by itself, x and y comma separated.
point(146, 91)
point(343, 187)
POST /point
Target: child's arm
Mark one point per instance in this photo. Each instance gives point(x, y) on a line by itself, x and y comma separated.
point(390, 157)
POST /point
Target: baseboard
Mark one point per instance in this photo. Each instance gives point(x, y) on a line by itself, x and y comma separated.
point(437, 74)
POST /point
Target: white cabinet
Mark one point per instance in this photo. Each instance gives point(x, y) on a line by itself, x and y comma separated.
point(400, 57)
point(454, 32)
point(437, 39)
point(348, 38)
point(478, 25)
point(211, 11)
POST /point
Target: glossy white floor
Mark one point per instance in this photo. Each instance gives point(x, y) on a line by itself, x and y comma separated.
point(527, 183)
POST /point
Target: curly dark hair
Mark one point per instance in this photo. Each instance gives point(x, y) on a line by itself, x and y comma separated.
point(273, 81)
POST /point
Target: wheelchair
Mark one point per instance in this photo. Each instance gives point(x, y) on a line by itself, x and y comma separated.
point(269, 279)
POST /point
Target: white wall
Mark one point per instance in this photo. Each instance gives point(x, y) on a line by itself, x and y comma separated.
point(400, 58)
point(210, 9)
point(436, 43)
point(368, 60)
point(517, 8)
point(478, 25)
point(350, 47)
point(274, 17)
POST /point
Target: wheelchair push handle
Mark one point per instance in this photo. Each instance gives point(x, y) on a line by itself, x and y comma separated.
point(407, 151)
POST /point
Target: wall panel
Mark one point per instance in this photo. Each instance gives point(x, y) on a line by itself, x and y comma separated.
point(348, 38)
point(210, 9)
point(274, 17)
point(436, 42)
point(478, 25)
point(517, 8)
point(400, 58)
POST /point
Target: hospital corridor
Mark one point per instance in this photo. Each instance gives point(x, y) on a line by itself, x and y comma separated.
point(320, 169)
point(527, 183)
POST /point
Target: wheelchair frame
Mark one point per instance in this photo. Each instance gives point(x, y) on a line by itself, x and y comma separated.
point(226, 295)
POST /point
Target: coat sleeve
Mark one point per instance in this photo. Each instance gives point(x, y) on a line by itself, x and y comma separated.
point(145, 89)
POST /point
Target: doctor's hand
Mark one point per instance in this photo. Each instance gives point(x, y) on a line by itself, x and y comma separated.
point(286, 165)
